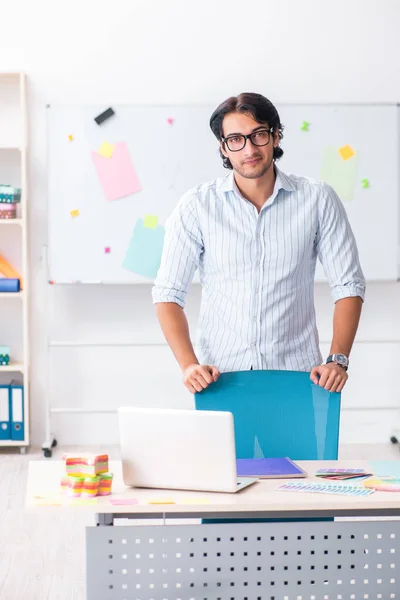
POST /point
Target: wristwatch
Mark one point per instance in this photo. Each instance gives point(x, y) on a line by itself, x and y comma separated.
point(339, 359)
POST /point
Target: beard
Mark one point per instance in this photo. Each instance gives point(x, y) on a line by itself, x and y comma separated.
point(253, 172)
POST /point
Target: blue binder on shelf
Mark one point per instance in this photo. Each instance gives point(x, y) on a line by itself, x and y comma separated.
point(9, 285)
point(5, 416)
point(17, 411)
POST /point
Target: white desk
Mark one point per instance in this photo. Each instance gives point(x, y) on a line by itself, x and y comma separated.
point(307, 560)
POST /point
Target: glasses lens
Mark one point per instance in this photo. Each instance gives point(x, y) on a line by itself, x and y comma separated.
point(260, 138)
point(235, 143)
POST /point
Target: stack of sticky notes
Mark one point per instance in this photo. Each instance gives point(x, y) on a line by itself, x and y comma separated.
point(86, 464)
point(86, 475)
point(342, 474)
point(9, 197)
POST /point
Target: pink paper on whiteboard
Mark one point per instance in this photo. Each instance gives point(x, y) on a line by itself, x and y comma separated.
point(116, 174)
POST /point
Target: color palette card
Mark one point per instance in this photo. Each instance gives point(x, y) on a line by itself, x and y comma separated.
point(320, 488)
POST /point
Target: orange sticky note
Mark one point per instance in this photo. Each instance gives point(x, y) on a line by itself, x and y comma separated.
point(160, 501)
point(43, 500)
point(74, 213)
point(346, 152)
point(150, 222)
point(106, 149)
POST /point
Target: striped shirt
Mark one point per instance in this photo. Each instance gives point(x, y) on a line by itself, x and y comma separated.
point(257, 270)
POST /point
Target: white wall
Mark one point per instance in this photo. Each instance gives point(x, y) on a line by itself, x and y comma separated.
point(152, 51)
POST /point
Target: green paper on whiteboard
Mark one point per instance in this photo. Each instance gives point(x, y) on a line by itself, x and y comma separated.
point(340, 174)
point(145, 248)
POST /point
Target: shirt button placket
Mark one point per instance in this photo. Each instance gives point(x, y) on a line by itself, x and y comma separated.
point(256, 294)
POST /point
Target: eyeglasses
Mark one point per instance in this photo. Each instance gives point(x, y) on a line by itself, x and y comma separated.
point(261, 137)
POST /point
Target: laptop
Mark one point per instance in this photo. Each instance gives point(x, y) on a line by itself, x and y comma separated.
point(179, 449)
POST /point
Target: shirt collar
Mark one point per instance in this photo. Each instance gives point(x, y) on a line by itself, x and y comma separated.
point(282, 181)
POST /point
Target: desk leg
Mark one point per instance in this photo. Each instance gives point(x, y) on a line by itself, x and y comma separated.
point(104, 520)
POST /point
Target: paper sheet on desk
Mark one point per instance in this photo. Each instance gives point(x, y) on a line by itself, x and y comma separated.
point(385, 468)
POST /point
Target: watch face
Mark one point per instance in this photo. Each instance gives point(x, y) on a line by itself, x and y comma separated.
point(341, 359)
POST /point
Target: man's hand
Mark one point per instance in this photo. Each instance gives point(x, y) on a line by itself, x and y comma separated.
point(331, 377)
point(197, 377)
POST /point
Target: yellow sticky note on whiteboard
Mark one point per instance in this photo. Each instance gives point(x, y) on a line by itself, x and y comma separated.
point(150, 222)
point(106, 149)
point(74, 213)
point(346, 152)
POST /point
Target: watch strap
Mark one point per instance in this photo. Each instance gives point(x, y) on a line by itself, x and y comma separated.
point(332, 358)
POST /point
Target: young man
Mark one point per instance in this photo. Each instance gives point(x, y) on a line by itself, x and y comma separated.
point(254, 236)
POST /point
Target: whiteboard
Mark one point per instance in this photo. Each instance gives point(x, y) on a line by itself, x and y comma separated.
point(170, 149)
point(372, 131)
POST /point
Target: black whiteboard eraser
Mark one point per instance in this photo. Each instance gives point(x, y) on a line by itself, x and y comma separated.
point(104, 116)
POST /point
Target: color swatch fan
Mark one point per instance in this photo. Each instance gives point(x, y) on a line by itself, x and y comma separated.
point(342, 474)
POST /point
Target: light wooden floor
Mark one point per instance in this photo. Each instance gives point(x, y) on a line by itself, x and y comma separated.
point(42, 556)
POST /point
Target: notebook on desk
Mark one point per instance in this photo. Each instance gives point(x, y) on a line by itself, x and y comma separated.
point(268, 468)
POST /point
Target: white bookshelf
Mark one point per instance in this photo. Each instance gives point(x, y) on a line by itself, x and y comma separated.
point(15, 295)
point(12, 368)
point(14, 236)
point(10, 222)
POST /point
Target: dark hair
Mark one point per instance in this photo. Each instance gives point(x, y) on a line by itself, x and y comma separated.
point(256, 105)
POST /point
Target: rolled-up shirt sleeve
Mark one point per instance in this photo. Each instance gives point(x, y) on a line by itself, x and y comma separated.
point(181, 253)
point(337, 249)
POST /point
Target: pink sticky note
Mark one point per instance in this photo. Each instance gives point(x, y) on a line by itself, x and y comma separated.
point(116, 174)
point(107, 249)
point(123, 501)
point(170, 121)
